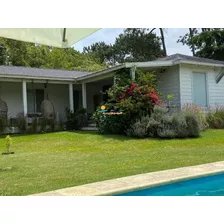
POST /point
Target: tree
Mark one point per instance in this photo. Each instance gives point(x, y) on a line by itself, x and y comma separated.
point(209, 43)
point(135, 44)
point(19, 53)
point(191, 31)
point(100, 50)
point(162, 39)
point(2, 53)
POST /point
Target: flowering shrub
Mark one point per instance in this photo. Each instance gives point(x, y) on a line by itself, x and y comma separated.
point(215, 117)
point(137, 99)
point(198, 112)
point(133, 99)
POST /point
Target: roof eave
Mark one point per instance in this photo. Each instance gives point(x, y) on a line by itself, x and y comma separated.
point(99, 73)
point(149, 64)
point(36, 78)
point(199, 63)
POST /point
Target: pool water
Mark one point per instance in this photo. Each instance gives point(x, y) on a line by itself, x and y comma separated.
point(203, 186)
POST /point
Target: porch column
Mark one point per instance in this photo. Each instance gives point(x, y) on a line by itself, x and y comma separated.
point(132, 72)
point(24, 98)
point(71, 102)
point(84, 100)
point(115, 80)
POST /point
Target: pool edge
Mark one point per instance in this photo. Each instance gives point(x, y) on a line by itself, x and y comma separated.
point(139, 182)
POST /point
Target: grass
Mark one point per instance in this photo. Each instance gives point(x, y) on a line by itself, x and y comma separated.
point(45, 162)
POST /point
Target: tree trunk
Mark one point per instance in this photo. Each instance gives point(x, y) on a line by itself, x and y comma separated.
point(152, 30)
point(192, 35)
point(163, 41)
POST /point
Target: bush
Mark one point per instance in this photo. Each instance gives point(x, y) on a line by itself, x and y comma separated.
point(166, 128)
point(191, 109)
point(153, 127)
point(75, 120)
point(193, 126)
point(139, 129)
point(215, 118)
point(165, 132)
point(110, 124)
point(180, 126)
point(163, 125)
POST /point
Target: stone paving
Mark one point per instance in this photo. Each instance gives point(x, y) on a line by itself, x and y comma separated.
point(140, 181)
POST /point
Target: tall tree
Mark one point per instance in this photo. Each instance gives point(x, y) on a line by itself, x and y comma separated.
point(134, 44)
point(209, 43)
point(137, 44)
point(191, 31)
point(19, 53)
point(163, 41)
point(100, 50)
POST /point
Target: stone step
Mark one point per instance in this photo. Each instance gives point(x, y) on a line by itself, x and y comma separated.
point(91, 124)
point(88, 129)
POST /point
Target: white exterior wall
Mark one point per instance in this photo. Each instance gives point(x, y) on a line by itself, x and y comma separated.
point(215, 92)
point(168, 83)
point(59, 94)
point(11, 93)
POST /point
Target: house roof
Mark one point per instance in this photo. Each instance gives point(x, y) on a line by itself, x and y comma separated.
point(188, 58)
point(65, 75)
point(39, 73)
point(177, 59)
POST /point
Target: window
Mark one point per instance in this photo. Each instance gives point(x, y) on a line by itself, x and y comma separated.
point(199, 89)
point(34, 99)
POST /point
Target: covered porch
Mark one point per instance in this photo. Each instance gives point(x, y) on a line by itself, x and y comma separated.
point(25, 97)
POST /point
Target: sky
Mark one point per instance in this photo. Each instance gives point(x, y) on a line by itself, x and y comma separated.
point(108, 35)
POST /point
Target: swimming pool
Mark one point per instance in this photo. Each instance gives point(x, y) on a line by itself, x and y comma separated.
point(203, 186)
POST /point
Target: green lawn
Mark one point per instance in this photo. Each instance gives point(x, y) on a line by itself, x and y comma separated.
point(45, 162)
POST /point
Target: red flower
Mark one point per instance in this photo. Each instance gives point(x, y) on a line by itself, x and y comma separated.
point(133, 86)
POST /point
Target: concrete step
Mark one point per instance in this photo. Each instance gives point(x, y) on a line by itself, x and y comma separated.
point(89, 129)
point(91, 124)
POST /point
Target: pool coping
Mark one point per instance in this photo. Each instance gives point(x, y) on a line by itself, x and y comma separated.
point(138, 182)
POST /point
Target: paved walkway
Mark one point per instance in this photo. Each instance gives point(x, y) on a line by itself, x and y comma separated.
point(124, 184)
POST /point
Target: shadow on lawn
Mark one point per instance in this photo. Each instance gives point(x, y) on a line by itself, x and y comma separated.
point(105, 136)
point(95, 133)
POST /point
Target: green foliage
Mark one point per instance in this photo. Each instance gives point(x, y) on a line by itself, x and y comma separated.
point(75, 120)
point(134, 44)
point(100, 50)
point(180, 126)
point(193, 126)
point(192, 109)
point(215, 118)
point(163, 125)
point(18, 53)
point(133, 99)
point(110, 124)
point(8, 143)
point(206, 44)
point(139, 129)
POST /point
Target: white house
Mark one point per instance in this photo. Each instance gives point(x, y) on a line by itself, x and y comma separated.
point(189, 79)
